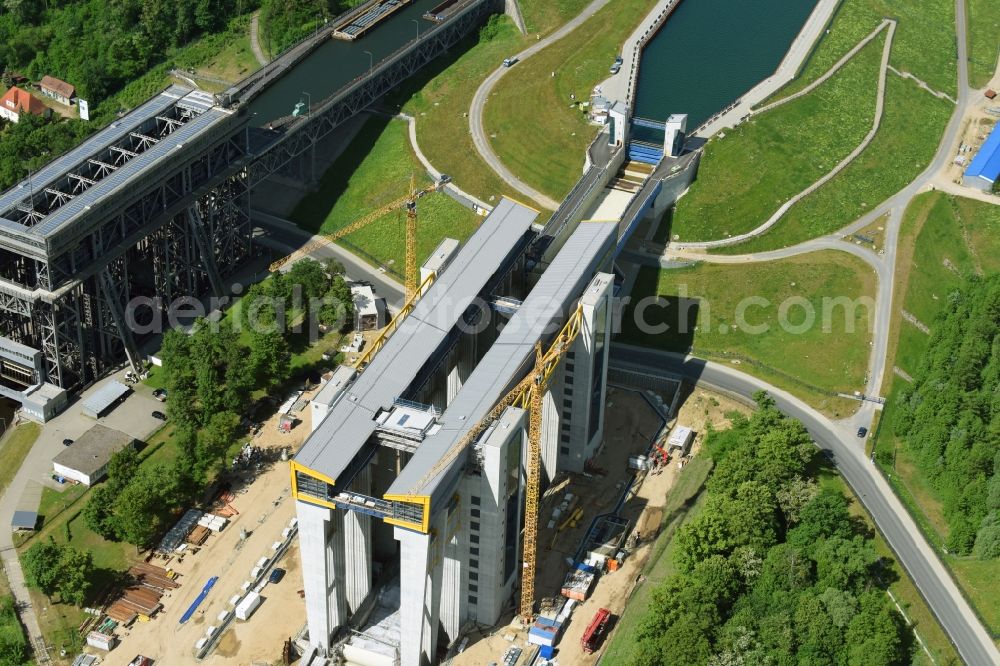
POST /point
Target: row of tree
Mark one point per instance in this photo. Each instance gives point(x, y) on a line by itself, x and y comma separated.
point(773, 570)
point(949, 417)
point(210, 376)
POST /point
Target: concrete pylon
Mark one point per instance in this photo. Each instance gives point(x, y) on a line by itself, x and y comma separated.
point(322, 552)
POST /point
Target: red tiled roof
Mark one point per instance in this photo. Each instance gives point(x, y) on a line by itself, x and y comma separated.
point(18, 100)
point(55, 85)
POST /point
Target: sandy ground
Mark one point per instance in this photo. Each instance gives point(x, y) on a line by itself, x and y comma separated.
point(629, 424)
point(265, 508)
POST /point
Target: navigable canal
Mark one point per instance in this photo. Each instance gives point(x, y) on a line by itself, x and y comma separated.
point(337, 62)
point(710, 52)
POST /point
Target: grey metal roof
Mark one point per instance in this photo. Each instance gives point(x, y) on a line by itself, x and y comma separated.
point(104, 397)
point(540, 317)
point(135, 168)
point(92, 145)
point(343, 433)
point(93, 449)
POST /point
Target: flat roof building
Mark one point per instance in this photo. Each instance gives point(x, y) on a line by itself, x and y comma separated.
point(984, 169)
point(369, 310)
point(86, 460)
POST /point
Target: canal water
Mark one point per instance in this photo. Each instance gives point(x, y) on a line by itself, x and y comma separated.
point(336, 63)
point(710, 52)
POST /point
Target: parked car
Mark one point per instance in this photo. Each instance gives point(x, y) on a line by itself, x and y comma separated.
point(159, 415)
point(618, 60)
point(615, 69)
point(160, 394)
point(507, 62)
point(67, 442)
point(141, 661)
point(276, 575)
point(862, 432)
point(617, 65)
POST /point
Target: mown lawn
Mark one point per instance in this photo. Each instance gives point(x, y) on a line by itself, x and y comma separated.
point(911, 129)
point(14, 449)
point(746, 176)
point(544, 16)
point(373, 171)
point(907, 139)
point(702, 310)
point(544, 141)
point(683, 503)
point(439, 98)
point(984, 40)
point(942, 238)
point(924, 42)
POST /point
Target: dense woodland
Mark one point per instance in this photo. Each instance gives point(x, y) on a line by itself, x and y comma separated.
point(773, 569)
point(949, 418)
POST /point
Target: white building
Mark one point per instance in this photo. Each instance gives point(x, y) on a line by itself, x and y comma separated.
point(390, 522)
point(86, 460)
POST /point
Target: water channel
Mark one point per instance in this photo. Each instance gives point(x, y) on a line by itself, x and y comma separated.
point(710, 52)
point(336, 63)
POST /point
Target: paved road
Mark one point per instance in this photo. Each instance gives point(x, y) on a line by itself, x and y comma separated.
point(131, 417)
point(893, 520)
point(479, 137)
point(286, 236)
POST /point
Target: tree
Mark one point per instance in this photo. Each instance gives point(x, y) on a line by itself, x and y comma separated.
point(139, 510)
point(13, 644)
point(269, 359)
point(987, 545)
point(41, 566)
point(75, 570)
point(53, 568)
point(338, 305)
point(216, 438)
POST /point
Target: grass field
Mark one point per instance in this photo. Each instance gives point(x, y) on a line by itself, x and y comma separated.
point(439, 98)
point(924, 42)
point(544, 16)
point(811, 363)
point(737, 191)
point(14, 449)
point(984, 40)
point(373, 171)
point(544, 142)
point(903, 147)
point(941, 239)
point(683, 503)
point(911, 128)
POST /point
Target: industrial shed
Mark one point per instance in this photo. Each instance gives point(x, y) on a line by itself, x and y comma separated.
point(984, 169)
point(86, 460)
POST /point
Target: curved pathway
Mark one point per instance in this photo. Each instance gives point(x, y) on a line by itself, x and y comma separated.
point(844, 163)
point(479, 137)
point(828, 73)
point(258, 52)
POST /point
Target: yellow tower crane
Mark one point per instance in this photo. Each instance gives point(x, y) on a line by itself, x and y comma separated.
point(527, 394)
point(409, 202)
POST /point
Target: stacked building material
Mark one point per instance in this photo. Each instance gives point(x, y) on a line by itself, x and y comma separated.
point(153, 576)
point(579, 581)
point(198, 535)
point(143, 600)
point(120, 613)
point(213, 522)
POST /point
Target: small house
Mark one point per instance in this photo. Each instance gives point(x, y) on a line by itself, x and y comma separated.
point(60, 91)
point(17, 102)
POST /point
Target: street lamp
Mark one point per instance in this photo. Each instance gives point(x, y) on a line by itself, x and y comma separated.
point(371, 62)
point(309, 102)
point(417, 23)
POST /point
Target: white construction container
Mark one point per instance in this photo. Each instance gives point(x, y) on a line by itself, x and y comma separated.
point(247, 607)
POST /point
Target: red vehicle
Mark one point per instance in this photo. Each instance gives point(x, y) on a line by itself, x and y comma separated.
point(596, 630)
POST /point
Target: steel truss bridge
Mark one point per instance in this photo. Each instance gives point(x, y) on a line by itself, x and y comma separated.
point(156, 207)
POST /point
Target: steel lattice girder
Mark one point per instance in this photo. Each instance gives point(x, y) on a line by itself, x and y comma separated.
point(304, 134)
